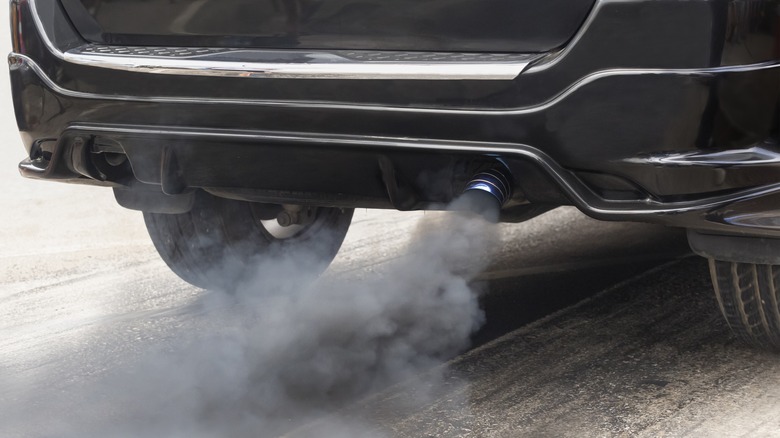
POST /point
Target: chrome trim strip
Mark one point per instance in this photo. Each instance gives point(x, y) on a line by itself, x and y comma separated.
point(318, 65)
point(578, 193)
point(15, 60)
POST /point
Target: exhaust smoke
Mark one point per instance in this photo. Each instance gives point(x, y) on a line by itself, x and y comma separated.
point(282, 351)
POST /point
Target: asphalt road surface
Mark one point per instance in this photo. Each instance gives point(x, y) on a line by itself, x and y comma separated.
point(590, 329)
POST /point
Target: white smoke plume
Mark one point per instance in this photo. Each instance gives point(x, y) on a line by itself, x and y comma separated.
point(281, 350)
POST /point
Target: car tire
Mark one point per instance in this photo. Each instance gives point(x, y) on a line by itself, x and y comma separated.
point(748, 296)
point(221, 243)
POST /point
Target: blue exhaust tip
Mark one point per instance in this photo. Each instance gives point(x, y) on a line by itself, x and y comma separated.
point(494, 182)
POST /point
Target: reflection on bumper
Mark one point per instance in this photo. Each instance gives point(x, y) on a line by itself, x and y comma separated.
point(370, 65)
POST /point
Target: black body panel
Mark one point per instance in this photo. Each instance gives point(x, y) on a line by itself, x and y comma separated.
point(662, 110)
point(433, 25)
point(739, 39)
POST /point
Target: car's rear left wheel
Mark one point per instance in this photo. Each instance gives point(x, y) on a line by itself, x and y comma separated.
point(748, 296)
point(221, 243)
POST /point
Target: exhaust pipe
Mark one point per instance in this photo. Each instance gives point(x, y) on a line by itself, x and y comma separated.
point(486, 193)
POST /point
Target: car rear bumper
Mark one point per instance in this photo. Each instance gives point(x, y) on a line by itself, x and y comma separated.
point(677, 127)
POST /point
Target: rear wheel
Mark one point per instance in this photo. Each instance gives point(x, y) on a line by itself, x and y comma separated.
point(221, 242)
point(748, 296)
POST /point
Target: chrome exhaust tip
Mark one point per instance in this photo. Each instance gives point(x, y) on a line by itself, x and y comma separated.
point(485, 194)
point(494, 182)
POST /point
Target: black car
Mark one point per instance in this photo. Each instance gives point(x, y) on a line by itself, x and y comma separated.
point(242, 127)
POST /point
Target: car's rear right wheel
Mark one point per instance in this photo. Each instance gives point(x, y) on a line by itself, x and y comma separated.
point(748, 296)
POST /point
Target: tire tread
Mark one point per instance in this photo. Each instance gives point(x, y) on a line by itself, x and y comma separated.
point(747, 295)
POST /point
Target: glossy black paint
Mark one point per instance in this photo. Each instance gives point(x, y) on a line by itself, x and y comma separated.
point(625, 35)
point(433, 25)
point(613, 115)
